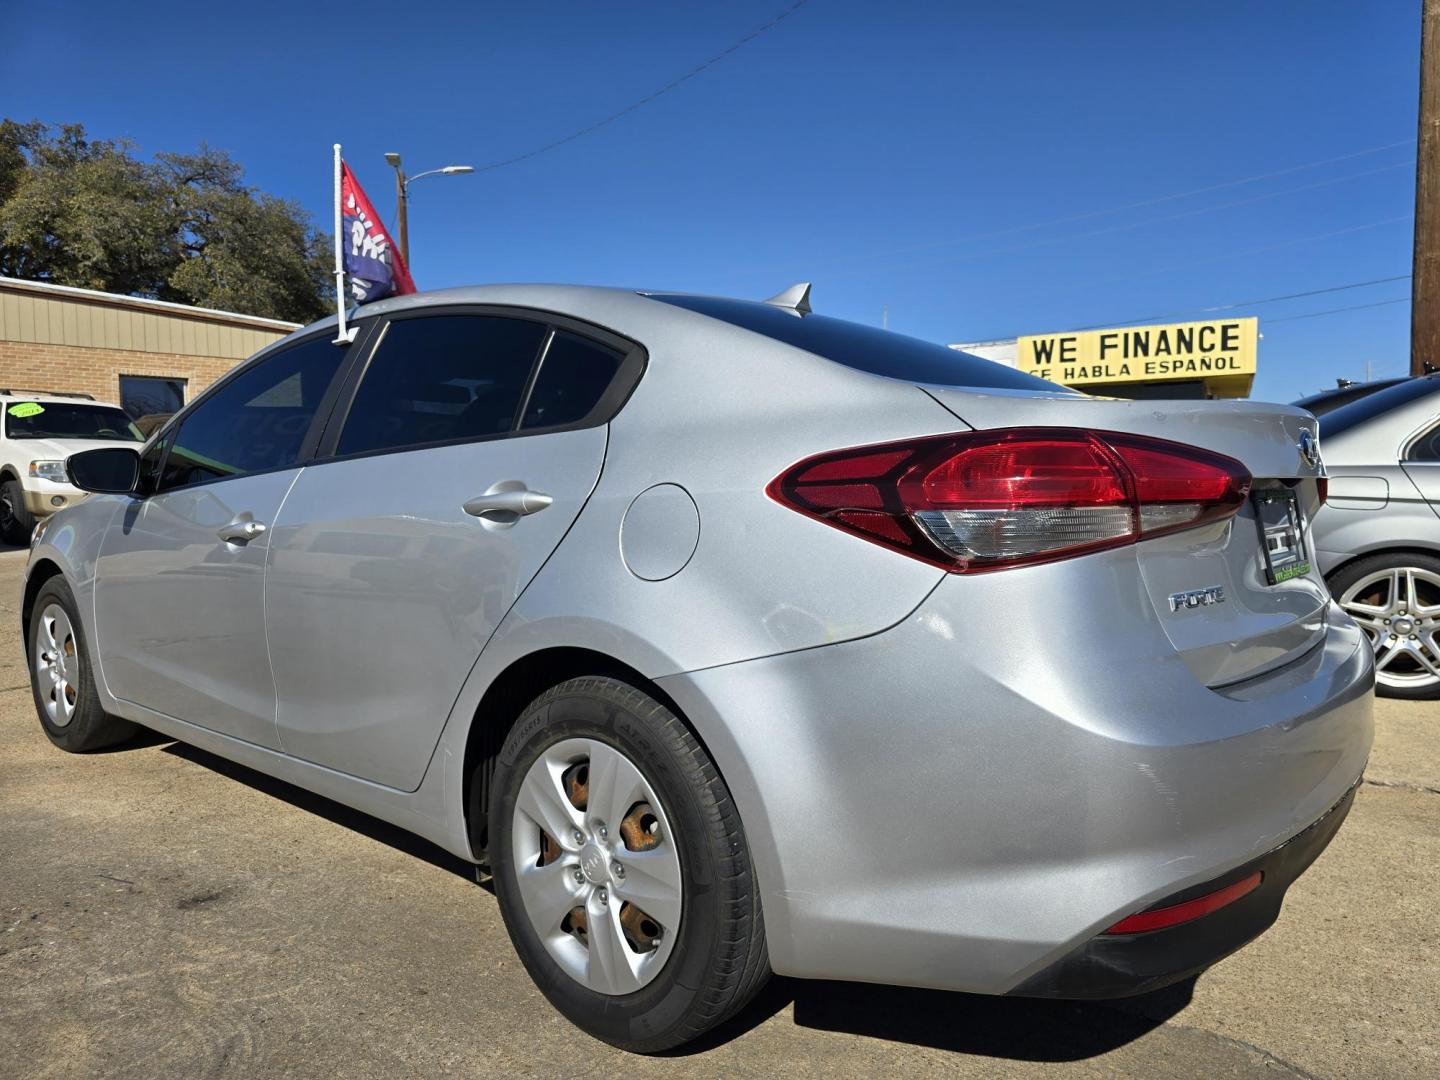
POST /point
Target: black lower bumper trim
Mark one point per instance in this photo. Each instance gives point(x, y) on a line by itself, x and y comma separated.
point(1121, 965)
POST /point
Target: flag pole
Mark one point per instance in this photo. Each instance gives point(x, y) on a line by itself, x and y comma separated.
point(344, 336)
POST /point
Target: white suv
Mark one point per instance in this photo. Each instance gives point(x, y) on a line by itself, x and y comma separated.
point(38, 431)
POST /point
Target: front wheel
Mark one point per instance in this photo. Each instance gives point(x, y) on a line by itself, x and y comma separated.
point(61, 678)
point(16, 523)
point(621, 868)
point(1396, 600)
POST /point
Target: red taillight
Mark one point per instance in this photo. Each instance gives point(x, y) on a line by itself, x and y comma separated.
point(1322, 486)
point(1176, 914)
point(987, 500)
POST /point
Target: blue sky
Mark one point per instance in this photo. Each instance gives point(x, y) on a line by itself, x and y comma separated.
point(949, 162)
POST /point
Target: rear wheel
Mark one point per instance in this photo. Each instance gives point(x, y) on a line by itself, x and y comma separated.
point(622, 869)
point(61, 678)
point(1396, 600)
point(16, 523)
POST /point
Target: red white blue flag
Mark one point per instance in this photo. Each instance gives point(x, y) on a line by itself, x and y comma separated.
point(372, 262)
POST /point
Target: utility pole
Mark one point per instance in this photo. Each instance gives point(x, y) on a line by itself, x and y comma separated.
point(1425, 282)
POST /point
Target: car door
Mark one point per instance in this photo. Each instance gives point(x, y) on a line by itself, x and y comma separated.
point(470, 442)
point(179, 603)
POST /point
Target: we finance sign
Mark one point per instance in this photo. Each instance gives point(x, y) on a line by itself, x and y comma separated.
point(1142, 353)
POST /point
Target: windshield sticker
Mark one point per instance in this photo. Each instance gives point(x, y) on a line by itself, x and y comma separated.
point(26, 408)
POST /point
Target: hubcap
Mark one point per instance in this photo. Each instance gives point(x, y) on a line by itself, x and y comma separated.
point(57, 665)
point(1399, 610)
point(596, 866)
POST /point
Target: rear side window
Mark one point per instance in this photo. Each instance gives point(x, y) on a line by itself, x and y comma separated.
point(574, 375)
point(1425, 448)
point(257, 420)
point(864, 348)
point(442, 378)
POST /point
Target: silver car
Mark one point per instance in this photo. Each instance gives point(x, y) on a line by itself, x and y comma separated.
point(1378, 538)
point(676, 610)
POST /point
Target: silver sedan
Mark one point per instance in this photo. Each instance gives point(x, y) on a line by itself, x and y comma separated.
point(733, 638)
point(1378, 537)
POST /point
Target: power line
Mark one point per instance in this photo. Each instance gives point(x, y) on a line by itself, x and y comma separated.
point(1141, 204)
point(1130, 226)
point(651, 97)
point(1248, 303)
point(1263, 249)
point(1338, 310)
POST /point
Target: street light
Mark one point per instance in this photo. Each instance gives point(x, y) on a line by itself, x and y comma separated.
point(402, 196)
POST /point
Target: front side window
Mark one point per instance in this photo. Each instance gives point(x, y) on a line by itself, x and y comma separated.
point(64, 420)
point(442, 378)
point(256, 421)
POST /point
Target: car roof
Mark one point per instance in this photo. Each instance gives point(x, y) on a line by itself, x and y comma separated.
point(54, 396)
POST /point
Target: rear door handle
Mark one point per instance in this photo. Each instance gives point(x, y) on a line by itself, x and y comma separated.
point(241, 531)
point(506, 503)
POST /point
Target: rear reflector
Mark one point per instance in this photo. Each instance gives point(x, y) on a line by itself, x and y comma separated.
point(1160, 918)
point(987, 500)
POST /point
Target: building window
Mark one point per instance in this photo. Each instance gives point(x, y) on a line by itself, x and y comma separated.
point(146, 395)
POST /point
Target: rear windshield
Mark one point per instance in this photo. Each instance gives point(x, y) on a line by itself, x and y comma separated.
point(62, 420)
point(863, 347)
point(1377, 404)
point(1327, 401)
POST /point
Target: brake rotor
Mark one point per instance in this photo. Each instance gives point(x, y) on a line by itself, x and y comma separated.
point(640, 828)
point(641, 931)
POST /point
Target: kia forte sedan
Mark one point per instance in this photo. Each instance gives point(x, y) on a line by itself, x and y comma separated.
point(733, 638)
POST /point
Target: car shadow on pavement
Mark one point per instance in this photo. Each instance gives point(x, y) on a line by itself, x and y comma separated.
point(364, 824)
point(1016, 1029)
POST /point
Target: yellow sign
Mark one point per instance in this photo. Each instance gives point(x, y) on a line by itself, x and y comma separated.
point(1198, 350)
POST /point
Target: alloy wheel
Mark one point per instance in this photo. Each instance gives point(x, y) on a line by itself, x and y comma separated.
point(57, 665)
point(596, 866)
point(1399, 610)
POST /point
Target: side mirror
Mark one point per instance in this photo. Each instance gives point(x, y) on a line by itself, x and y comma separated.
point(111, 470)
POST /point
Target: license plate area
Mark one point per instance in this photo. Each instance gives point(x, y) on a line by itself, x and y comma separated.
point(1282, 534)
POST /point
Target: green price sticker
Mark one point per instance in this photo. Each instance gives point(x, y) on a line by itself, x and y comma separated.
point(26, 408)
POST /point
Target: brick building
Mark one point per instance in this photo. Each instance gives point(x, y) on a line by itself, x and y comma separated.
point(146, 355)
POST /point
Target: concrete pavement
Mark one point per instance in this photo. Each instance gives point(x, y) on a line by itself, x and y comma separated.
point(166, 913)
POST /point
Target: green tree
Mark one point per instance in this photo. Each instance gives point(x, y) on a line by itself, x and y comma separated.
point(184, 227)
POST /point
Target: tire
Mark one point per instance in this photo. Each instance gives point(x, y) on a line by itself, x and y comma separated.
point(673, 984)
point(16, 523)
point(1395, 597)
point(68, 706)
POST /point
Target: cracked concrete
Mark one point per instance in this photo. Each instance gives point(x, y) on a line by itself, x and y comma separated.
point(166, 913)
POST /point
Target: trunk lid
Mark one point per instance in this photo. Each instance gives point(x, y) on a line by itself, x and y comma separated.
point(1249, 626)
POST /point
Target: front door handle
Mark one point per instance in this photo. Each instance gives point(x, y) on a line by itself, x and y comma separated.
point(506, 503)
point(241, 531)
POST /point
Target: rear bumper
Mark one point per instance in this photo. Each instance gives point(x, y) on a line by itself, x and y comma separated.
point(973, 796)
point(1122, 965)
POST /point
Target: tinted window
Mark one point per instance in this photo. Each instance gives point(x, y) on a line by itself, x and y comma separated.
point(145, 395)
point(62, 420)
point(1327, 401)
point(1425, 448)
point(573, 376)
point(864, 347)
point(442, 378)
point(1377, 404)
point(257, 420)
